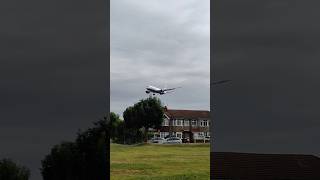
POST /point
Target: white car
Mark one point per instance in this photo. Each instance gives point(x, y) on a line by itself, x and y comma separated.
point(173, 140)
point(158, 140)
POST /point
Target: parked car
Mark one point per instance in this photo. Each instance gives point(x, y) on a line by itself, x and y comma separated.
point(173, 140)
point(158, 140)
point(207, 139)
point(185, 140)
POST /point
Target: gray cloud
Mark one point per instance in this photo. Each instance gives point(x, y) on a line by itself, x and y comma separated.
point(161, 43)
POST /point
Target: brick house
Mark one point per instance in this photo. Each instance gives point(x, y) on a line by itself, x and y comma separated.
point(189, 124)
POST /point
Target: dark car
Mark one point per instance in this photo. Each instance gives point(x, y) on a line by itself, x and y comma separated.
point(185, 140)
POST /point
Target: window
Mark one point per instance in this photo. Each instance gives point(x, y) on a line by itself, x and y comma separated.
point(173, 122)
point(164, 134)
point(194, 122)
point(165, 122)
point(179, 122)
point(179, 134)
point(186, 122)
point(205, 123)
point(199, 135)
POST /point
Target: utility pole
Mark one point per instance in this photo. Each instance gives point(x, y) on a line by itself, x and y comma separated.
point(190, 131)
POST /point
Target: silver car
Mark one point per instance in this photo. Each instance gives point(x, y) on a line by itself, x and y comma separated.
point(158, 140)
point(173, 140)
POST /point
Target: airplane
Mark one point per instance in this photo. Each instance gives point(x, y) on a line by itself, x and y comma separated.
point(154, 90)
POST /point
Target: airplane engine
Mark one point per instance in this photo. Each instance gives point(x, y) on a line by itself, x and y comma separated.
point(147, 92)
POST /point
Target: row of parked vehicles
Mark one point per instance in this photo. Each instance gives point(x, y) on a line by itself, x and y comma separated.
point(169, 140)
point(176, 140)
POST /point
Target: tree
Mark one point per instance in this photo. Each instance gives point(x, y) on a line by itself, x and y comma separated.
point(11, 171)
point(64, 162)
point(84, 159)
point(114, 126)
point(93, 145)
point(147, 113)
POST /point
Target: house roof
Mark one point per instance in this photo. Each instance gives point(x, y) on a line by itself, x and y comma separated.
point(174, 113)
point(227, 165)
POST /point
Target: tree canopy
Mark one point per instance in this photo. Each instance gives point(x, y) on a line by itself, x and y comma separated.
point(9, 170)
point(147, 113)
point(84, 159)
point(114, 125)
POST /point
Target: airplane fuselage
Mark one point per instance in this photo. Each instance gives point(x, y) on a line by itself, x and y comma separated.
point(152, 89)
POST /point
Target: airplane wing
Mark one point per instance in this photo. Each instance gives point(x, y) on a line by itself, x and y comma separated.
point(170, 89)
point(169, 92)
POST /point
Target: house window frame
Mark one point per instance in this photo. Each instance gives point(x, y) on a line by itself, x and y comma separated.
point(179, 133)
point(165, 122)
point(194, 122)
point(179, 122)
point(186, 123)
point(173, 122)
point(205, 123)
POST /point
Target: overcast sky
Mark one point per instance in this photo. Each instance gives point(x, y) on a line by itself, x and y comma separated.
point(271, 51)
point(163, 43)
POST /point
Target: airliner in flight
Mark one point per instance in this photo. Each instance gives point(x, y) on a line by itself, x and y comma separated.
point(156, 90)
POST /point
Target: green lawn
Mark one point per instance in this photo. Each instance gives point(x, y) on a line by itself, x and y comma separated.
point(160, 162)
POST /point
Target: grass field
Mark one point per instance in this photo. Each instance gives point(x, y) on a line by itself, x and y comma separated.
point(160, 162)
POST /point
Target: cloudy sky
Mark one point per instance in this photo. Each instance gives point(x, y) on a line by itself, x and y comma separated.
point(162, 43)
point(271, 51)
